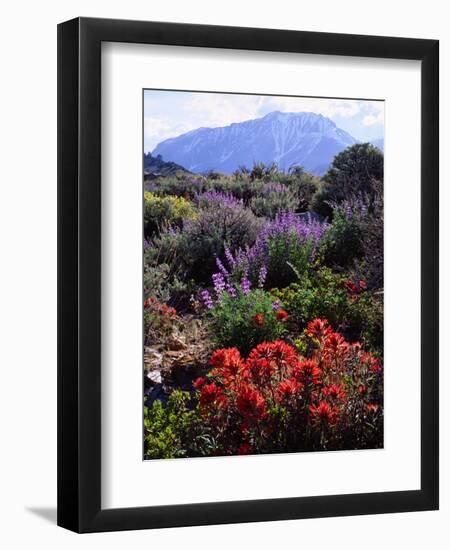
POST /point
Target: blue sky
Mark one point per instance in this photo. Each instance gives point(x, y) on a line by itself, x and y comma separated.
point(168, 114)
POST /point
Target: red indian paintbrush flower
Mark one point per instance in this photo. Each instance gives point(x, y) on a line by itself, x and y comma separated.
point(318, 328)
point(227, 363)
point(282, 315)
point(258, 319)
point(250, 403)
point(335, 392)
point(211, 394)
point(324, 412)
point(199, 382)
point(308, 372)
point(289, 388)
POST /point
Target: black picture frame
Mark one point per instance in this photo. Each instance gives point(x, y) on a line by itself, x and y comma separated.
point(79, 274)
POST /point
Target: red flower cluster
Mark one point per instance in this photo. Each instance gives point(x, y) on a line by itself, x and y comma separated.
point(258, 319)
point(282, 315)
point(160, 309)
point(275, 392)
point(324, 412)
point(355, 288)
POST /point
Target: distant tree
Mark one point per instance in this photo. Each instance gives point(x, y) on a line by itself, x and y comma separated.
point(353, 172)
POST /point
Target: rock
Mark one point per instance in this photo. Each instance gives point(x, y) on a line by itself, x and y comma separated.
point(155, 377)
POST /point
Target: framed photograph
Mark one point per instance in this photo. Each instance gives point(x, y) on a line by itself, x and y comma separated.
point(247, 276)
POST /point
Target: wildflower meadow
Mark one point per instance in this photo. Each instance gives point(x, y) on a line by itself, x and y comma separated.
point(263, 309)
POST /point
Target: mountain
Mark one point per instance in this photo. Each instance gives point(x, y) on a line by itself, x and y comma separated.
point(155, 166)
point(288, 139)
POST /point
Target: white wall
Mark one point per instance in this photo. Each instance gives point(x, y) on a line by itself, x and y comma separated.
point(28, 270)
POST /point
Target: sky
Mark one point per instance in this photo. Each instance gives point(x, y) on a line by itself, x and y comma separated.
point(169, 114)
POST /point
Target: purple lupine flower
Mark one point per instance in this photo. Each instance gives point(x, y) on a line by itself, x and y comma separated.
point(146, 244)
point(262, 275)
point(219, 283)
point(245, 285)
point(286, 226)
point(206, 298)
point(229, 256)
point(276, 305)
point(214, 197)
point(231, 290)
point(221, 267)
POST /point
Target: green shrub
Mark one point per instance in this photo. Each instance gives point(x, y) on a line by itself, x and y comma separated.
point(324, 294)
point(354, 171)
point(317, 294)
point(342, 242)
point(245, 320)
point(174, 430)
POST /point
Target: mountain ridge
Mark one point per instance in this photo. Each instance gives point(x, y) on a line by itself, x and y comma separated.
point(287, 139)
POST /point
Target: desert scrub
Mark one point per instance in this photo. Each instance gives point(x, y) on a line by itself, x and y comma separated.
point(273, 199)
point(223, 223)
point(160, 212)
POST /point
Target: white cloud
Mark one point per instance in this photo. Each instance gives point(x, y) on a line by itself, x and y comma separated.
point(222, 109)
point(372, 119)
point(325, 107)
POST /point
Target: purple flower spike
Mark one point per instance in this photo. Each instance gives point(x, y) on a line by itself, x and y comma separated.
point(207, 300)
point(221, 267)
point(262, 276)
point(219, 284)
point(245, 285)
point(231, 290)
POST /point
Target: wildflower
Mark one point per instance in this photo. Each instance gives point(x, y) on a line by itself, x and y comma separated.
point(276, 305)
point(335, 392)
point(221, 267)
point(371, 362)
point(211, 394)
point(206, 298)
point(372, 407)
point(250, 403)
point(351, 287)
point(219, 284)
point(258, 319)
point(308, 372)
point(245, 285)
point(231, 290)
point(336, 344)
point(199, 382)
point(226, 363)
point(318, 328)
point(289, 388)
point(362, 389)
point(229, 256)
point(282, 315)
point(262, 276)
point(324, 412)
